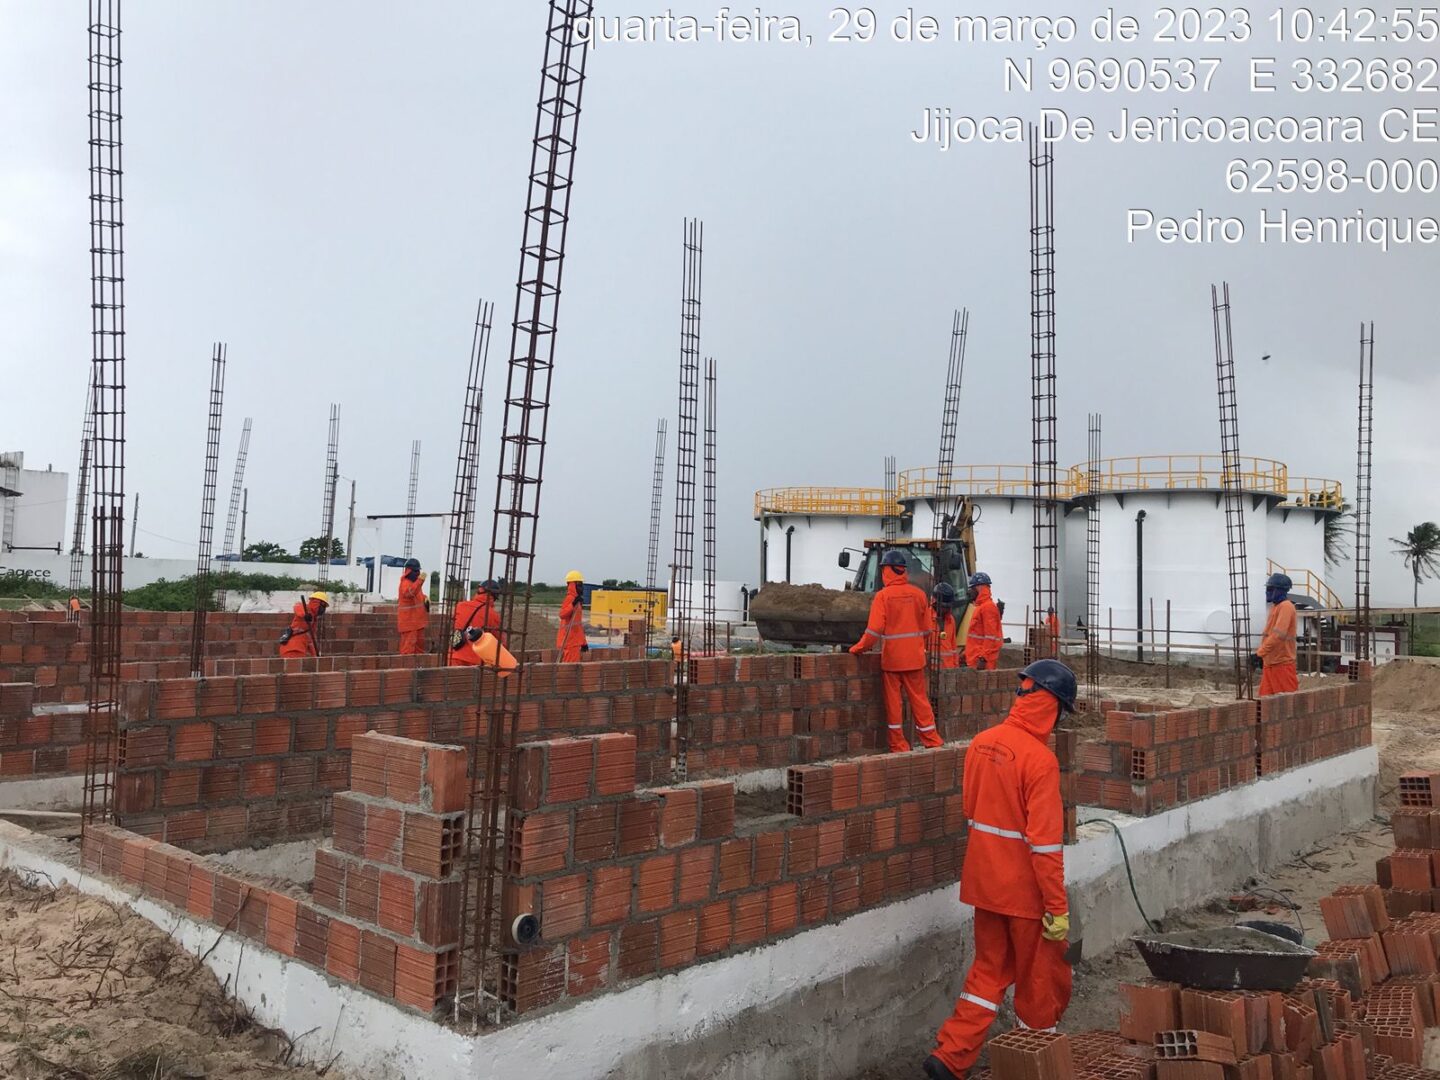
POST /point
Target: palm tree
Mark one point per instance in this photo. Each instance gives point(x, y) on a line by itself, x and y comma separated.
point(1421, 552)
point(1337, 529)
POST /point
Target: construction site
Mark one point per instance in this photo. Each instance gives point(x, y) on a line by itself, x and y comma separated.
point(686, 848)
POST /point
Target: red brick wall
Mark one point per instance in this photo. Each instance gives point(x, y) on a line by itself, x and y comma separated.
point(631, 884)
point(1152, 760)
point(213, 763)
point(37, 744)
point(384, 913)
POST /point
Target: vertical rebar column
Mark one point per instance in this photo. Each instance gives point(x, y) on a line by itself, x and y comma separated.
point(1042, 393)
point(1092, 567)
point(949, 423)
point(410, 499)
point(945, 467)
point(1231, 481)
point(107, 396)
point(708, 564)
point(207, 509)
point(1364, 439)
point(683, 568)
point(489, 969)
point(237, 486)
point(327, 508)
point(652, 551)
point(890, 523)
point(82, 496)
point(460, 533)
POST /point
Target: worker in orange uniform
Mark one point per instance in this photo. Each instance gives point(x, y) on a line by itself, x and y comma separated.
point(900, 623)
point(570, 639)
point(299, 639)
point(677, 650)
point(1014, 872)
point(946, 641)
point(74, 608)
point(474, 618)
point(413, 617)
point(1276, 654)
point(1052, 626)
point(982, 644)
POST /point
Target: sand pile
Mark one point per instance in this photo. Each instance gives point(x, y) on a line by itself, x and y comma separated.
point(1408, 686)
point(778, 600)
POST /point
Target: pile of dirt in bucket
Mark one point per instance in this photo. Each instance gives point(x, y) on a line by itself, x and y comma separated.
point(778, 600)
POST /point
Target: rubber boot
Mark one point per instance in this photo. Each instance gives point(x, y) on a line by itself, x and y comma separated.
point(935, 1069)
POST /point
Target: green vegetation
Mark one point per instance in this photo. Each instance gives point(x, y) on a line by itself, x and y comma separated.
point(265, 551)
point(1421, 551)
point(179, 595)
point(313, 550)
point(26, 588)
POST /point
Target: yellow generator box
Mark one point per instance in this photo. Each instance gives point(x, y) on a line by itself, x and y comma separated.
point(614, 608)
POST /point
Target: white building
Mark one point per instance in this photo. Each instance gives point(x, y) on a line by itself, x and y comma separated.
point(1162, 538)
point(32, 506)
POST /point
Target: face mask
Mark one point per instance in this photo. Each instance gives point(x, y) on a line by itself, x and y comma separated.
point(972, 593)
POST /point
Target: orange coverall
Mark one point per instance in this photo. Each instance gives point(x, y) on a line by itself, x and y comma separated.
point(901, 620)
point(413, 617)
point(982, 645)
point(571, 636)
point(945, 642)
point(302, 636)
point(477, 613)
point(1014, 874)
point(1277, 650)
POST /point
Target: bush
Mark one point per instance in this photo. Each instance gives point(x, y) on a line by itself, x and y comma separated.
point(179, 595)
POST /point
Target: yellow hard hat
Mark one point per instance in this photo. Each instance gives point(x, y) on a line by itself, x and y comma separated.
point(574, 575)
point(323, 597)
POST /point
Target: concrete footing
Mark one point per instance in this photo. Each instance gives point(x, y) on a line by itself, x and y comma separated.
point(829, 1002)
point(46, 793)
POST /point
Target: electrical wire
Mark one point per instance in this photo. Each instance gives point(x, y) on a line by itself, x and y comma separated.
point(1125, 856)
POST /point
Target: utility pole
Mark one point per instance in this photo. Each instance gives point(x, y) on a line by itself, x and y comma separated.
point(350, 533)
point(134, 523)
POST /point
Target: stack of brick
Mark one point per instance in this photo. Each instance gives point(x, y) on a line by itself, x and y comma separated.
point(1243, 1035)
point(1409, 875)
point(1023, 1054)
point(629, 884)
point(1296, 729)
point(385, 910)
point(37, 741)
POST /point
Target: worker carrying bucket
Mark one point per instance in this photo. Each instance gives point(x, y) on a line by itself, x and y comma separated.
point(1014, 872)
point(473, 618)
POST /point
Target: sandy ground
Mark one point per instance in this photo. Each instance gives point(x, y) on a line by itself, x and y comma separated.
point(89, 991)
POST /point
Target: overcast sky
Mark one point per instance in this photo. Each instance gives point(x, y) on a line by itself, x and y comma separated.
point(329, 186)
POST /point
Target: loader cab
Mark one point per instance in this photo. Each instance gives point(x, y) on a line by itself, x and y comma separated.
point(920, 564)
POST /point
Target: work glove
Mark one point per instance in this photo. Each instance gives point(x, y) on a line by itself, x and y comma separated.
point(980, 664)
point(854, 650)
point(584, 648)
point(1256, 662)
point(1057, 927)
point(474, 633)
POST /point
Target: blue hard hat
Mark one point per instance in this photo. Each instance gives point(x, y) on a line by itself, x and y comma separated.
point(893, 558)
point(1279, 581)
point(979, 578)
point(945, 593)
point(1055, 677)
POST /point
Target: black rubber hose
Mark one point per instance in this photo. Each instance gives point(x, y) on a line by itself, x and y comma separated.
point(1125, 855)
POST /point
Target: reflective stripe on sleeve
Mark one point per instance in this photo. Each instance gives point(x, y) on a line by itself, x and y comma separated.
point(1011, 834)
point(875, 633)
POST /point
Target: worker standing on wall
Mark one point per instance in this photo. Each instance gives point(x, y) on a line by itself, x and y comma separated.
point(570, 639)
point(946, 640)
point(1277, 645)
point(299, 639)
point(982, 645)
point(1014, 872)
point(413, 616)
point(473, 618)
point(901, 622)
point(74, 608)
point(1052, 627)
